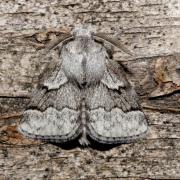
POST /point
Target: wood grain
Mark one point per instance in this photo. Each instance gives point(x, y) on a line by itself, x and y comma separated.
point(150, 29)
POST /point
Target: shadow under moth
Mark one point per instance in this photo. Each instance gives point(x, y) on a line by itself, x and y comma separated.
point(85, 96)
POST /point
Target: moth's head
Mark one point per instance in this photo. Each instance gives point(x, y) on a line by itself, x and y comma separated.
point(83, 31)
point(86, 31)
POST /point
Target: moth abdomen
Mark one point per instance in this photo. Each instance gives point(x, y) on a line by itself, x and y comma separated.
point(84, 117)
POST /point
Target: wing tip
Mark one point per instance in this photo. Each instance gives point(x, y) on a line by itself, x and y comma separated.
point(136, 128)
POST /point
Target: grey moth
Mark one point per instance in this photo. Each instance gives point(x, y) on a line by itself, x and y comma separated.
point(85, 96)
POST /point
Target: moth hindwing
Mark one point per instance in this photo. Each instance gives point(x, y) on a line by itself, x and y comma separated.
point(85, 95)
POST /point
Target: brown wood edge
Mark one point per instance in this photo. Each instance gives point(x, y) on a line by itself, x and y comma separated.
point(13, 115)
point(155, 108)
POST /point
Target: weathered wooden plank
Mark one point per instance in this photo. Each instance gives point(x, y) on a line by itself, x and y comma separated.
point(148, 28)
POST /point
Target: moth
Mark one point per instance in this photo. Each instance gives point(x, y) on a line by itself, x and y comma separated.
point(85, 96)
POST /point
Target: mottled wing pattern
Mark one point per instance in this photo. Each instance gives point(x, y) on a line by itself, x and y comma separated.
point(114, 115)
point(53, 113)
point(89, 96)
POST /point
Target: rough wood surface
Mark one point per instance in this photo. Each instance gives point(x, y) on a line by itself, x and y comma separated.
point(151, 29)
